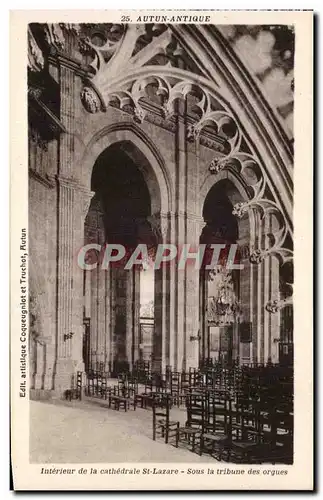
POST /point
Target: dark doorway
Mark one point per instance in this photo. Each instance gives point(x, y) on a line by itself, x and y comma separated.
point(125, 204)
point(219, 288)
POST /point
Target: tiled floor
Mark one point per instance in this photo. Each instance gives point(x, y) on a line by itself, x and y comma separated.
point(89, 432)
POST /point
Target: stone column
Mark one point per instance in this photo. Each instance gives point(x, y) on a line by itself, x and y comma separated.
point(98, 311)
point(63, 368)
point(94, 319)
point(256, 285)
point(246, 301)
point(181, 303)
point(270, 267)
point(130, 315)
point(157, 354)
point(113, 308)
point(273, 317)
point(64, 364)
point(265, 267)
point(192, 296)
point(273, 294)
point(101, 317)
point(203, 316)
point(161, 336)
point(136, 314)
point(40, 365)
point(170, 300)
point(82, 200)
point(180, 234)
point(182, 350)
point(265, 286)
point(120, 315)
point(71, 199)
point(107, 329)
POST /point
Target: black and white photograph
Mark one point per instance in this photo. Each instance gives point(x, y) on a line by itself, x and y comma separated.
point(157, 266)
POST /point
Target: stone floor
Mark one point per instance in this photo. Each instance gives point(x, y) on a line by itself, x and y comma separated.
point(89, 432)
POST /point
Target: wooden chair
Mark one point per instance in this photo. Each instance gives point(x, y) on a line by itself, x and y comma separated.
point(159, 381)
point(195, 378)
point(281, 435)
point(76, 391)
point(144, 399)
point(104, 388)
point(163, 426)
point(185, 381)
point(196, 407)
point(117, 401)
point(217, 426)
point(129, 393)
point(248, 444)
point(176, 388)
point(93, 386)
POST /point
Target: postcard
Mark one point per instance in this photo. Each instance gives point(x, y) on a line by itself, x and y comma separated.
point(161, 250)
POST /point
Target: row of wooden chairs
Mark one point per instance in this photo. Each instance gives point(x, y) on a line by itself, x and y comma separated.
point(244, 418)
point(121, 397)
point(253, 383)
point(239, 432)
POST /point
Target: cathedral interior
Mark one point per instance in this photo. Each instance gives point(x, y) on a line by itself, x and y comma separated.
point(151, 134)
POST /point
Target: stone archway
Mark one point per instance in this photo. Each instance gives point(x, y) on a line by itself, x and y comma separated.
point(258, 225)
point(149, 160)
point(225, 301)
point(126, 210)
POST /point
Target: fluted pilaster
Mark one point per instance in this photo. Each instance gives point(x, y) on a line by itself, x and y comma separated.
point(72, 201)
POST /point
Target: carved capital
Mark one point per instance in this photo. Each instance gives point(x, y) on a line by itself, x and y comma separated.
point(164, 224)
point(257, 256)
point(84, 45)
point(200, 223)
point(218, 164)
point(139, 114)
point(192, 133)
point(240, 209)
point(273, 306)
point(90, 100)
point(87, 198)
point(167, 113)
point(159, 225)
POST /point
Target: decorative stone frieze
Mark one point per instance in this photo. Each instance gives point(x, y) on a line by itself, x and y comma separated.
point(160, 121)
